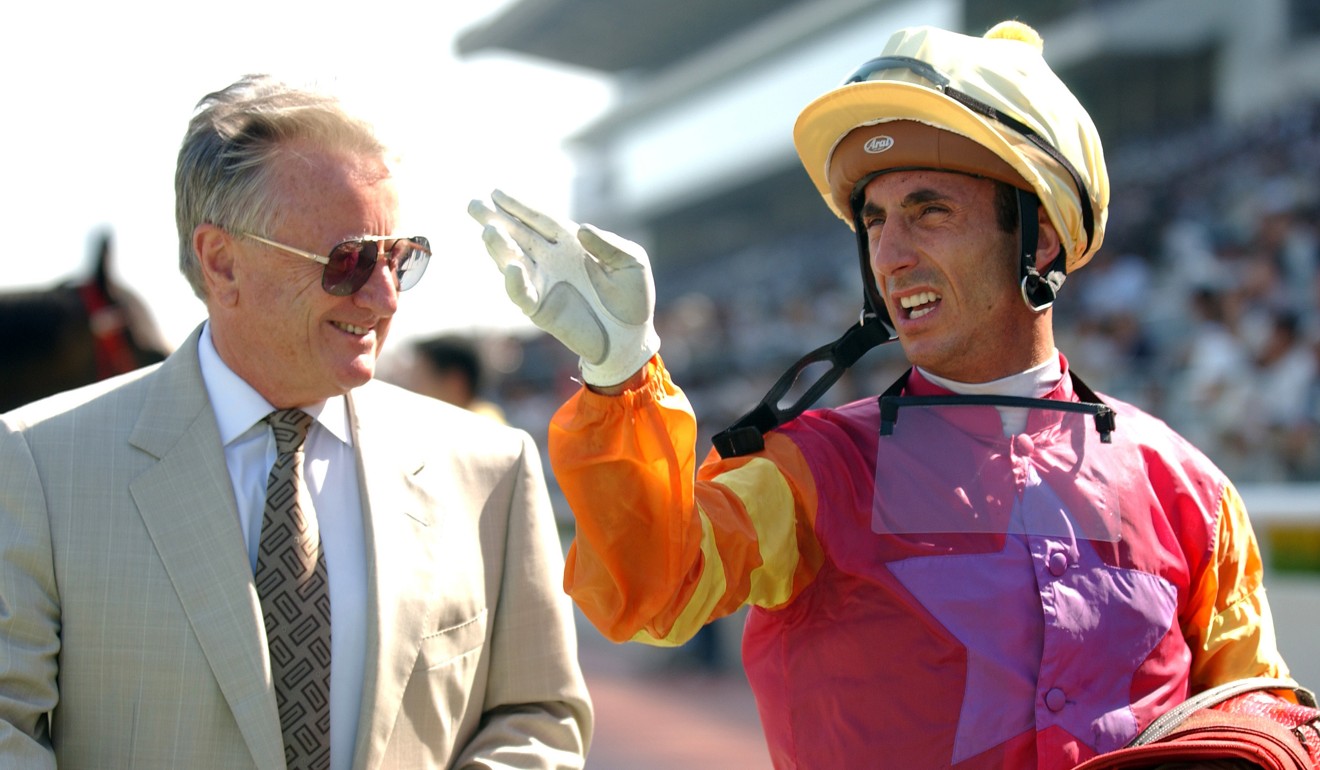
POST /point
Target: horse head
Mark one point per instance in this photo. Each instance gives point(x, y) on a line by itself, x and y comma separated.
point(73, 334)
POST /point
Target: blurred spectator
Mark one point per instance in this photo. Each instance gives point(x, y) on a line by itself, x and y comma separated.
point(450, 368)
point(1284, 377)
point(1106, 332)
point(1214, 378)
point(1286, 240)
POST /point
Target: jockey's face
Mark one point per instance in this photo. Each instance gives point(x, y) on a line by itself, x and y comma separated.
point(948, 274)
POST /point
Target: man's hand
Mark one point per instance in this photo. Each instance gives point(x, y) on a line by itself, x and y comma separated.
point(589, 288)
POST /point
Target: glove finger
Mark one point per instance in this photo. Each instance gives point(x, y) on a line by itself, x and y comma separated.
point(539, 223)
point(500, 246)
point(478, 210)
point(520, 288)
point(620, 275)
point(613, 251)
point(505, 232)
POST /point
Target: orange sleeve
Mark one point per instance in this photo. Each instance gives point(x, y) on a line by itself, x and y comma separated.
point(1230, 630)
point(662, 548)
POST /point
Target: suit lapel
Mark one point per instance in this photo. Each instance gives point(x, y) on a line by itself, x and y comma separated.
point(401, 593)
point(187, 503)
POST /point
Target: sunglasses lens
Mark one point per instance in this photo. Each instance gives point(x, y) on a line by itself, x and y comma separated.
point(411, 257)
point(349, 267)
point(352, 262)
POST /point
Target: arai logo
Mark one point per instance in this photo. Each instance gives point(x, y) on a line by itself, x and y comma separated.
point(878, 144)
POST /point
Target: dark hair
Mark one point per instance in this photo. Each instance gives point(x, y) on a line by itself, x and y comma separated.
point(446, 354)
point(1006, 206)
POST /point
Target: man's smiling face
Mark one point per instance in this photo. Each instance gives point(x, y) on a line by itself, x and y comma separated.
point(274, 325)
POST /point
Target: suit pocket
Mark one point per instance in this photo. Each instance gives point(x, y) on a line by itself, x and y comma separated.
point(448, 644)
point(443, 700)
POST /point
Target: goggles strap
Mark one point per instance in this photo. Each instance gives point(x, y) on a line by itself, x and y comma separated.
point(1083, 199)
point(941, 83)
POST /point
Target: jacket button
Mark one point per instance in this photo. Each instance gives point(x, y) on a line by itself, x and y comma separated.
point(1058, 563)
point(1055, 700)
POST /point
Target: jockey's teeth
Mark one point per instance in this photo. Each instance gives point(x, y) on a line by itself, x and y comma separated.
point(928, 298)
point(351, 329)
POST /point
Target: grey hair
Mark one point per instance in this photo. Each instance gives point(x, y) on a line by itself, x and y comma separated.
point(225, 162)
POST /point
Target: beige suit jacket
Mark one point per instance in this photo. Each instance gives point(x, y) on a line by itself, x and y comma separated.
point(130, 630)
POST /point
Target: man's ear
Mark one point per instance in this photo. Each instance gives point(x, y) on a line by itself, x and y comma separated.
point(1047, 240)
point(215, 247)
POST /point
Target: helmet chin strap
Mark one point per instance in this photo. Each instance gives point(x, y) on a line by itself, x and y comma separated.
point(746, 435)
point(1038, 291)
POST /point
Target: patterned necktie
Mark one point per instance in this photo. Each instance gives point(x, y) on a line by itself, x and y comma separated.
point(295, 601)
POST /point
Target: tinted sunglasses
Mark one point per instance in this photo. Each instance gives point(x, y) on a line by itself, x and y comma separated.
point(350, 264)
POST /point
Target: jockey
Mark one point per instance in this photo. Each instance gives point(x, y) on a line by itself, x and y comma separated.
point(987, 566)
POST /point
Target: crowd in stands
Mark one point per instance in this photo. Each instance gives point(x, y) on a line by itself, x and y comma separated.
point(1203, 307)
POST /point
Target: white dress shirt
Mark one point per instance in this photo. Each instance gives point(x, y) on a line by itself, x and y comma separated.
point(330, 473)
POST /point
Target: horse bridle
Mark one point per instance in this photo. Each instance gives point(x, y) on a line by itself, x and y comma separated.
point(112, 343)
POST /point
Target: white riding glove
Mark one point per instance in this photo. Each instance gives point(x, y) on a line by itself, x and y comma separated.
point(589, 288)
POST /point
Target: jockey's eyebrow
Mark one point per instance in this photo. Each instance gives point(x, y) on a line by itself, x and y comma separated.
point(913, 198)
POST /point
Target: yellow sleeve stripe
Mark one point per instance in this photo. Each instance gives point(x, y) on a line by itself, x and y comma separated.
point(770, 506)
point(705, 595)
point(1230, 605)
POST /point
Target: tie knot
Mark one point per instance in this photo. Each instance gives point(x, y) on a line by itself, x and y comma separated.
point(290, 426)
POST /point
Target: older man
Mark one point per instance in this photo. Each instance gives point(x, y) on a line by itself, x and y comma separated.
point(254, 555)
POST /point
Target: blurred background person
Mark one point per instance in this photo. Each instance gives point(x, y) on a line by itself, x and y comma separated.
point(451, 368)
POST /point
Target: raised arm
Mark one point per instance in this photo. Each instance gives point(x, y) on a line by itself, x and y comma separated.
point(662, 547)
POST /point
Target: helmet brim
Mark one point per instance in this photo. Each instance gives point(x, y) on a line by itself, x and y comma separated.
point(826, 121)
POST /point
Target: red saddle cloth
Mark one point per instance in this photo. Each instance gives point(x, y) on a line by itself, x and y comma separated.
point(1256, 726)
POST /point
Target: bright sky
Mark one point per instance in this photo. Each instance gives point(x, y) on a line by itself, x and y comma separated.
point(97, 96)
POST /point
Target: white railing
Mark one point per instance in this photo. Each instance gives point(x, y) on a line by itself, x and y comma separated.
point(1294, 595)
point(1290, 503)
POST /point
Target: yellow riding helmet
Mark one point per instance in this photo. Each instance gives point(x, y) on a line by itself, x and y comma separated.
point(994, 109)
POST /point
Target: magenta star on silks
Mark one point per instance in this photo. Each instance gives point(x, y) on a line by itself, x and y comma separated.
point(1043, 649)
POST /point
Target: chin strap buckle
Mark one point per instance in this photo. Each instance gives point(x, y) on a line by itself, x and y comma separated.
point(1039, 292)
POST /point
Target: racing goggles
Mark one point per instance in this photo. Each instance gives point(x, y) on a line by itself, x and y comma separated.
point(930, 77)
